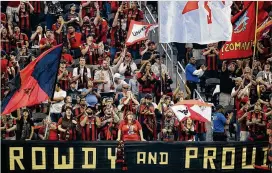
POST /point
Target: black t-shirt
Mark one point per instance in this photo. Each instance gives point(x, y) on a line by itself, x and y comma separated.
point(73, 94)
point(226, 82)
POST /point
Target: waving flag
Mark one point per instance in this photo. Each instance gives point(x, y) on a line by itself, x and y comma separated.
point(195, 109)
point(35, 83)
point(264, 28)
point(243, 34)
point(138, 31)
point(200, 22)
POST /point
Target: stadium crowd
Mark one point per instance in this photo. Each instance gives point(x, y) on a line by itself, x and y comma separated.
point(107, 91)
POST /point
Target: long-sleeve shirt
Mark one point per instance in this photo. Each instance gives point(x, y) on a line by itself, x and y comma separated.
point(192, 74)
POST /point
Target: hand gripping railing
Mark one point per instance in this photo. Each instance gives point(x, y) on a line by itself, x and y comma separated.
point(179, 76)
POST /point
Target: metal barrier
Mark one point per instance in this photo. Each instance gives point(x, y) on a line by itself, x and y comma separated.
point(179, 76)
point(167, 48)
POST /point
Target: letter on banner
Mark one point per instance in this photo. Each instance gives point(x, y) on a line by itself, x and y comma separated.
point(164, 158)
point(88, 165)
point(244, 158)
point(13, 158)
point(189, 157)
point(63, 164)
point(265, 149)
point(152, 158)
point(34, 159)
point(224, 158)
point(112, 158)
point(141, 157)
point(209, 158)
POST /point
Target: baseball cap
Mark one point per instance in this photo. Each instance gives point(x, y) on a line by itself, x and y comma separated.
point(219, 107)
point(117, 75)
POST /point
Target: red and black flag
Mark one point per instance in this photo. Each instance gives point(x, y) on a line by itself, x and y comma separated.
point(35, 83)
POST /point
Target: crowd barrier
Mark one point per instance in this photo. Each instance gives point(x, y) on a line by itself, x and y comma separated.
point(141, 157)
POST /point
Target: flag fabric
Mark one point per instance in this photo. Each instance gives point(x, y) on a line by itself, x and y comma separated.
point(200, 22)
point(243, 34)
point(35, 83)
point(195, 109)
point(264, 28)
point(138, 31)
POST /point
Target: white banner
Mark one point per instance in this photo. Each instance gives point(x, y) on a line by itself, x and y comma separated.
point(138, 31)
point(200, 22)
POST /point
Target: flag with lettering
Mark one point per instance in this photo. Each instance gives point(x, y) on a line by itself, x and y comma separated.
point(138, 31)
point(195, 109)
point(35, 83)
point(200, 22)
point(242, 40)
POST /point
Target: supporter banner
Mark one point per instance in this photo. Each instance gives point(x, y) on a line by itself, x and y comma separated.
point(138, 31)
point(141, 157)
point(242, 40)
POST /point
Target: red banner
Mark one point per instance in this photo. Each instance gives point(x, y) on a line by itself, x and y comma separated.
point(242, 36)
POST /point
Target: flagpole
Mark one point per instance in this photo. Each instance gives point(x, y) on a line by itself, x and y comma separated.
point(255, 36)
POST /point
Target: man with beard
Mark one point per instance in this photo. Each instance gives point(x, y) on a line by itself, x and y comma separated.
point(48, 42)
point(147, 119)
point(18, 39)
point(193, 75)
point(256, 123)
point(169, 126)
point(89, 124)
point(104, 78)
point(74, 41)
point(148, 54)
point(109, 124)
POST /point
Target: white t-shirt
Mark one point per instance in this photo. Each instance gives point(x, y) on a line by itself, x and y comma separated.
point(56, 107)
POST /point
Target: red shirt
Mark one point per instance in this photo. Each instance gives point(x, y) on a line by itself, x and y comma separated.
point(4, 65)
point(75, 40)
point(24, 22)
point(44, 41)
point(211, 60)
point(101, 30)
point(58, 37)
point(243, 126)
point(130, 132)
point(53, 134)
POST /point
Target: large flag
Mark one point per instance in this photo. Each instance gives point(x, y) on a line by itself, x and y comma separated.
point(195, 109)
point(200, 22)
point(35, 83)
point(138, 31)
point(242, 40)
